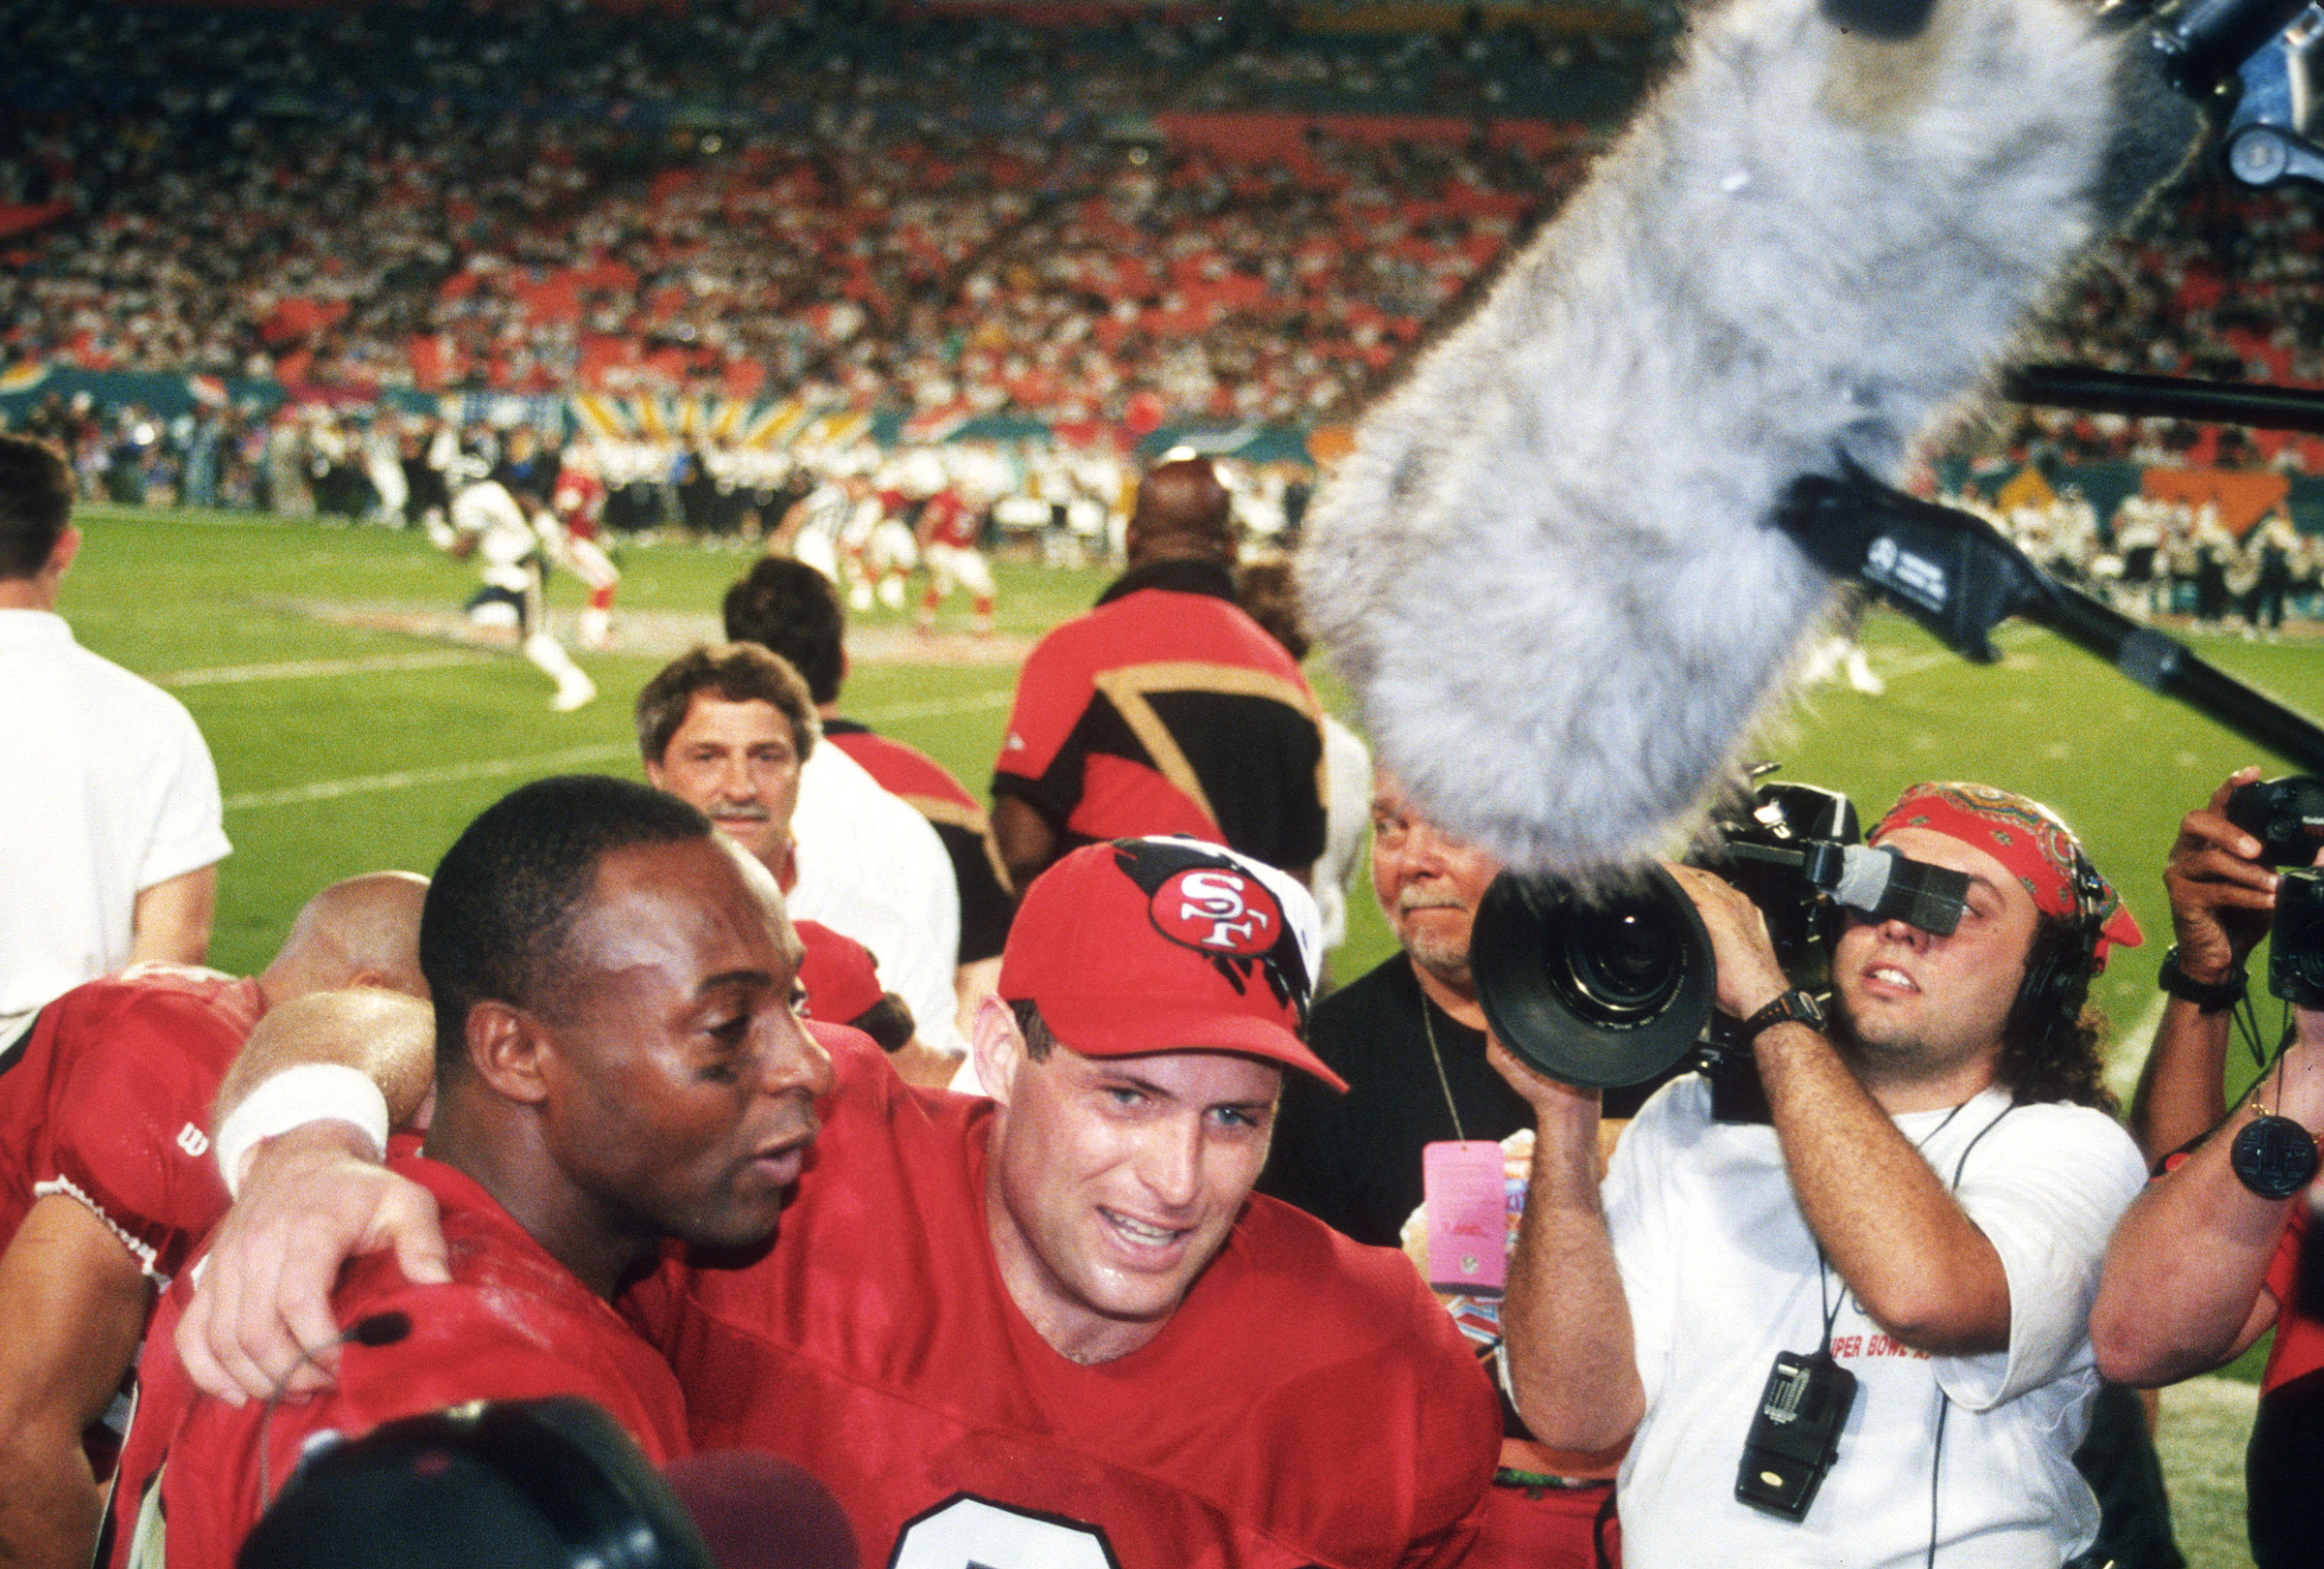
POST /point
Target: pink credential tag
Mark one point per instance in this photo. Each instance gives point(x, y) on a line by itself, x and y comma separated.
point(1465, 1198)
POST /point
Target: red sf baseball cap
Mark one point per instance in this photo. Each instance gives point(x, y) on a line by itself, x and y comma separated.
point(1167, 945)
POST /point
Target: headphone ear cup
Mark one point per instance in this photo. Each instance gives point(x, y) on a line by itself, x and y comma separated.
point(2058, 969)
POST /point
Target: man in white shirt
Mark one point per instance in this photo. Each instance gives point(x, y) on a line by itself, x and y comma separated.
point(732, 730)
point(114, 821)
point(1918, 1235)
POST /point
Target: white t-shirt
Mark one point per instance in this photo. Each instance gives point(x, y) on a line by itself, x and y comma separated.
point(106, 790)
point(1722, 1273)
point(870, 868)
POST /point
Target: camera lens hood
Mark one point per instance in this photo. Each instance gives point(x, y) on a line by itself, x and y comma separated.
point(1597, 991)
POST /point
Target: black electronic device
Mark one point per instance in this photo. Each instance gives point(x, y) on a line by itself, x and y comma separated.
point(546, 1484)
point(2274, 1157)
point(2296, 945)
point(1795, 1433)
point(1615, 987)
point(2286, 815)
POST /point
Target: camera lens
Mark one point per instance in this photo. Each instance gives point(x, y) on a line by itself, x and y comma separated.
point(1594, 989)
point(1620, 963)
point(1626, 965)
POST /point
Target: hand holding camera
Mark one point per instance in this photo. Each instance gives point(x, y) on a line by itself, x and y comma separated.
point(2219, 880)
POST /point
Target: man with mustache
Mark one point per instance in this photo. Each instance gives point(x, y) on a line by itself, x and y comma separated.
point(617, 1062)
point(1912, 1246)
point(730, 729)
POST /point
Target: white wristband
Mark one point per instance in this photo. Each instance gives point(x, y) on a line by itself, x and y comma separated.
point(309, 1093)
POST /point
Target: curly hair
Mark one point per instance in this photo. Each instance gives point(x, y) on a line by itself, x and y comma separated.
point(2058, 1053)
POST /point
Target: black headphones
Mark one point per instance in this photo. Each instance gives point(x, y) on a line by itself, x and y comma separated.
point(2064, 957)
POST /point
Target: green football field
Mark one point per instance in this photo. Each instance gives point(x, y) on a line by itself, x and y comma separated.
point(352, 733)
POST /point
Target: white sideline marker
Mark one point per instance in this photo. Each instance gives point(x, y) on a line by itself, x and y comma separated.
point(331, 789)
point(227, 675)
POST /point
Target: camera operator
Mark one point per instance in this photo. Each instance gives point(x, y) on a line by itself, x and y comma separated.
point(2210, 1258)
point(1908, 1252)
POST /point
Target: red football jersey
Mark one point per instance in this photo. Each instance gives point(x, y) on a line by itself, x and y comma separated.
point(514, 1324)
point(109, 1100)
point(580, 503)
point(947, 521)
point(1308, 1403)
point(1167, 710)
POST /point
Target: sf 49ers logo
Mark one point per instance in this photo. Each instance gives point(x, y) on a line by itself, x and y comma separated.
point(1218, 912)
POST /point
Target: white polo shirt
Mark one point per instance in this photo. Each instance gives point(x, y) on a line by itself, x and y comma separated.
point(869, 867)
point(106, 790)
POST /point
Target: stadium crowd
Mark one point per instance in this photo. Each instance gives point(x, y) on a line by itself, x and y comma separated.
point(483, 199)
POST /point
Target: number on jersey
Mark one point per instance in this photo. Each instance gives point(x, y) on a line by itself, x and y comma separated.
point(969, 1532)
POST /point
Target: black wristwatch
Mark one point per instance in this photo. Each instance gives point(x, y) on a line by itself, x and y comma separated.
point(1796, 1006)
point(2208, 997)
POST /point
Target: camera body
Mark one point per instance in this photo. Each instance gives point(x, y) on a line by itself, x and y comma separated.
point(2296, 945)
point(1614, 988)
point(2286, 815)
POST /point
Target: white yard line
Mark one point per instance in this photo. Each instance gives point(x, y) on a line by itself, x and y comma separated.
point(331, 789)
point(934, 710)
point(227, 675)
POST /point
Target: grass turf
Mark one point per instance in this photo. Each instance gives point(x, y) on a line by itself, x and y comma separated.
point(342, 749)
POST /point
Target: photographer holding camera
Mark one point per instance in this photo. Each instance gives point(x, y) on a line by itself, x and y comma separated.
point(1870, 1316)
point(2211, 1256)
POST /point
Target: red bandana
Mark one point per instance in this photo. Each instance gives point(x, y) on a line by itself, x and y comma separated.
point(2023, 836)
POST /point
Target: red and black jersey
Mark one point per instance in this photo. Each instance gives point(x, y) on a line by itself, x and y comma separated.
point(987, 906)
point(1166, 710)
point(512, 1324)
point(108, 1099)
point(1308, 1403)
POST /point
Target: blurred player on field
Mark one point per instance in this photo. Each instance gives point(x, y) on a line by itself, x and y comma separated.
point(948, 528)
point(579, 504)
point(515, 541)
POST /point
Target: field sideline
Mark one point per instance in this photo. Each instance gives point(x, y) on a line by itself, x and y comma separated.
point(344, 748)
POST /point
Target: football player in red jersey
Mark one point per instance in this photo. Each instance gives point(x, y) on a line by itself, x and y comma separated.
point(580, 502)
point(621, 1063)
point(947, 529)
point(105, 1183)
point(1056, 1325)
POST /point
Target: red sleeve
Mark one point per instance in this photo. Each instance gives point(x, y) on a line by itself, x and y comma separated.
point(1053, 691)
point(840, 977)
point(2284, 1269)
point(126, 1128)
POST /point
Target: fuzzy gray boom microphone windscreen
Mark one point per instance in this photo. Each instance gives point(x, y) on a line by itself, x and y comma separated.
point(1547, 567)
